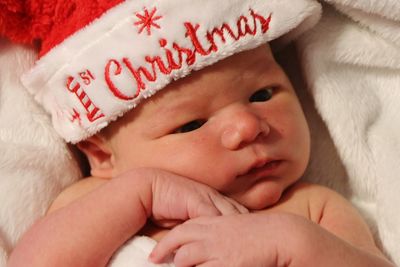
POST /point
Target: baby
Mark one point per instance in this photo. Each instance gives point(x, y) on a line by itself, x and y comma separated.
point(236, 126)
point(230, 139)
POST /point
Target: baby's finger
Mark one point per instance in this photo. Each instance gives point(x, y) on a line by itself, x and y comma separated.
point(211, 263)
point(191, 254)
point(177, 237)
point(241, 209)
point(166, 223)
point(224, 204)
point(204, 208)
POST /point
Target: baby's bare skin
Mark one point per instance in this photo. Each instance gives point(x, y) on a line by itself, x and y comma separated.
point(315, 203)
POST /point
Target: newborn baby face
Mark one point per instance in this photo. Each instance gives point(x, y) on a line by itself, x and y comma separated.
point(236, 126)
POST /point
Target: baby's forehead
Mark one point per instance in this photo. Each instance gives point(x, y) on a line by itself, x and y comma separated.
point(255, 60)
point(242, 68)
point(199, 88)
point(201, 92)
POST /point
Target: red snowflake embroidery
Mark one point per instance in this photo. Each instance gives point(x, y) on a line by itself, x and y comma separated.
point(147, 20)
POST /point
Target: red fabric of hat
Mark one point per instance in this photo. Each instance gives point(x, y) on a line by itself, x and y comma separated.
point(48, 21)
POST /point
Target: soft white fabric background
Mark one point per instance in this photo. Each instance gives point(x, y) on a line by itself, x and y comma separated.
point(351, 63)
point(35, 164)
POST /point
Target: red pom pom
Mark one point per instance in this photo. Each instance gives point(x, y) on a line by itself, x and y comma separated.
point(15, 21)
point(48, 21)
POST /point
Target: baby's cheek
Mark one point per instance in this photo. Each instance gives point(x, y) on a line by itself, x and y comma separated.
point(294, 129)
point(219, 179)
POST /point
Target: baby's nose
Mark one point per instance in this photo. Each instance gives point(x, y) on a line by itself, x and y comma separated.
point(242, 126)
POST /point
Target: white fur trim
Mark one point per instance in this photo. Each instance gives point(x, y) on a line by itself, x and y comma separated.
point(99, 49)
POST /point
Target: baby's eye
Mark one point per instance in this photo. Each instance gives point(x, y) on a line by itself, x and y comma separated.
point(262, 95)
point(190, 126)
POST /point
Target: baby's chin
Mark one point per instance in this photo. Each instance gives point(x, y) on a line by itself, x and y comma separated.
point(261, 197)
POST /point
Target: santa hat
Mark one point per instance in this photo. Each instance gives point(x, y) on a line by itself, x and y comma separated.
point(100, 58)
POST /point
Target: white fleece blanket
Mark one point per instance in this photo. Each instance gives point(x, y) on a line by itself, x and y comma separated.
point(135, 253)
point(35, 164)
point(351, 62)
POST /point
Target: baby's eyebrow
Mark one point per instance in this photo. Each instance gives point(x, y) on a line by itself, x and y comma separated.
point(173, 108)
point(167, 114)
point(190, 103)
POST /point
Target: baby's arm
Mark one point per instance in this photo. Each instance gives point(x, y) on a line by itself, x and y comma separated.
point(86, 232)
point(335, 214)
point(89, 230)
point(332, 212)
point(355, 245)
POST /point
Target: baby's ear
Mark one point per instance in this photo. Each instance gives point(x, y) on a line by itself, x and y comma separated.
point(99, 155)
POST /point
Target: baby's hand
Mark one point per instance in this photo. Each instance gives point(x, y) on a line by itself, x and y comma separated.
point(177, 198)
point(269, 240)
point(225, 241)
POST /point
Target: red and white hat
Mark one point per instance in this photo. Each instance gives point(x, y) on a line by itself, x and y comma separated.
point(99, 58)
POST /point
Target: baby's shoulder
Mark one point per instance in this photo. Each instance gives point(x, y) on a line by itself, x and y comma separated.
point(75, 191)
point(310, 191)
point(307, 200)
